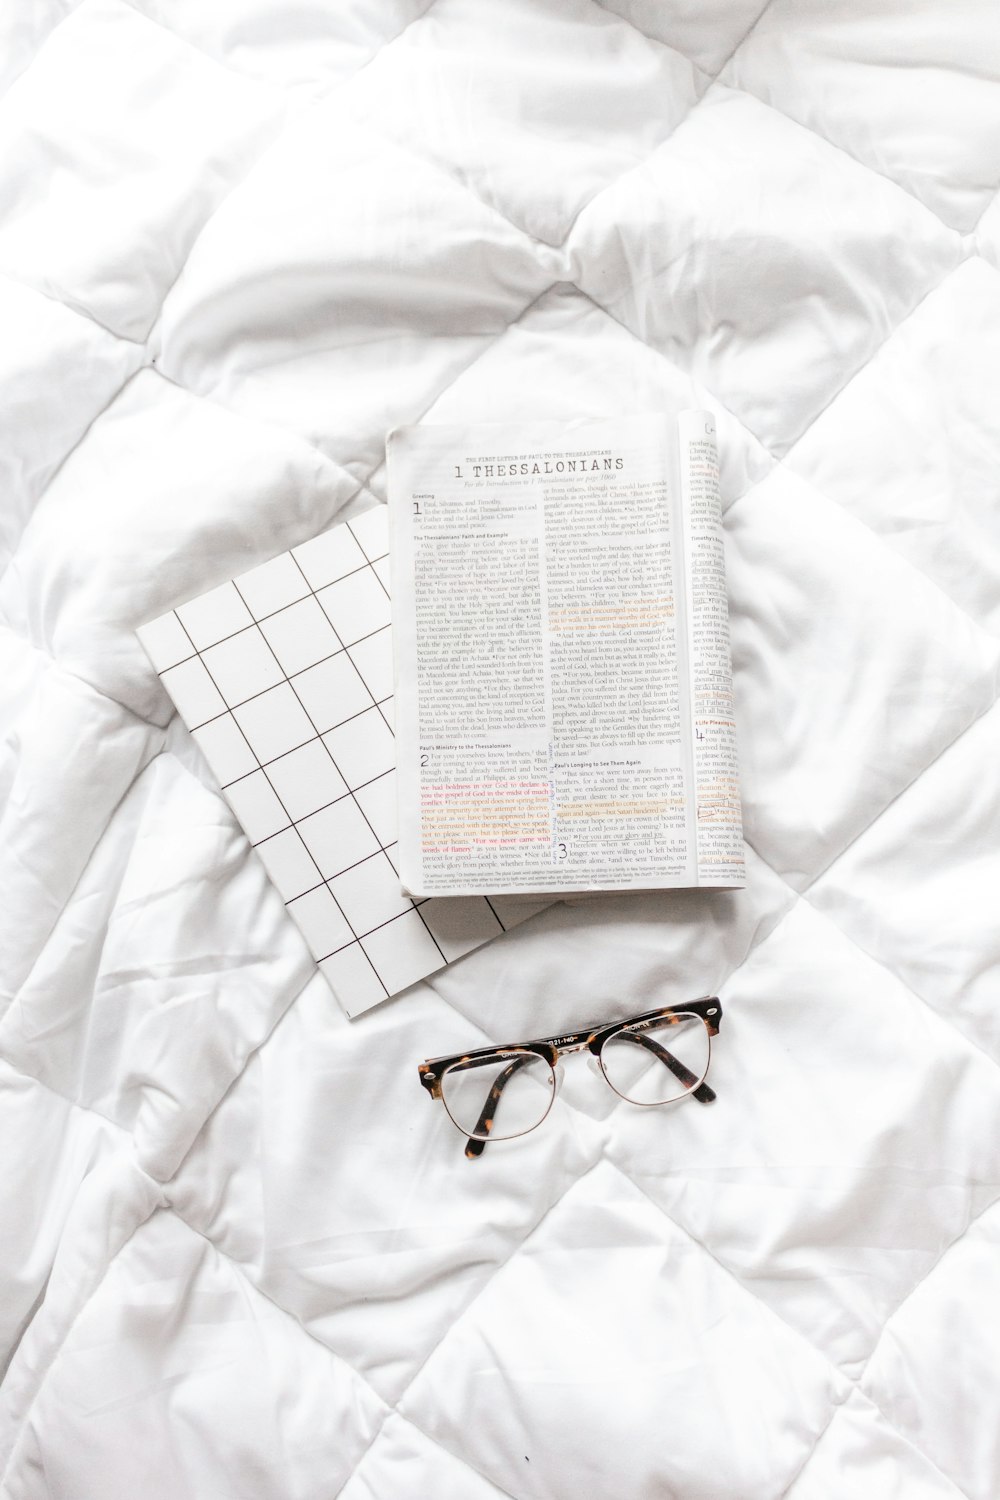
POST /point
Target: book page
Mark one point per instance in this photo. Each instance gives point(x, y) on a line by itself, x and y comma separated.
point(718, 818)
point(543, 715)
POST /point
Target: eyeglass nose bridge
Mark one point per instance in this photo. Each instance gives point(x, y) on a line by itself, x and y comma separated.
point(576, 1047)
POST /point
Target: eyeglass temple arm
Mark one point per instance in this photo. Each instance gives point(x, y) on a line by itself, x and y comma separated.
point(473, 1146)
point(702, 1093)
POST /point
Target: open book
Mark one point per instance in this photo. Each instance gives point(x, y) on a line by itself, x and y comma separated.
point(564, 709)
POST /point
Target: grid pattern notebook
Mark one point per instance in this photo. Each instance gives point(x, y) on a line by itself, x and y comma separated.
point(284, 676)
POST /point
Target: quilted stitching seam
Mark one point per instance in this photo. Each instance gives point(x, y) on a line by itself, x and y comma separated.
point(811, 1455)
point(40, 40)
point(839, 1377)
point(56, 1350)
point(336, 85)
point(853, 1383)
point(971, 254)
point(520, 1245)
point(658, 41)
point(837, 1408)
point(290, 89)
point(959, 1494)
point(459, 181)
point(656, 273)
point(931, 1270)
point(334, 464)
point(74, 1104)
point(892, 801)
point(751, 948)
point(55, 472)
point(868, 166)
point(282, 127)
point(459, 1458)
point(755, 942)
point(872, 958)
point(389, 1408)
point(490, 208)
point(745, 37)
point(70, 305)
point(893, 1313)
point(362, 485)
point(780, 459)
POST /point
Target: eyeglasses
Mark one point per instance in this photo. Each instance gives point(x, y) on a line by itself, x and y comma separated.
point(499, 1093)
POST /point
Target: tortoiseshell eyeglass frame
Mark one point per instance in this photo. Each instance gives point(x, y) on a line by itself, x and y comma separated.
point(707, 1008)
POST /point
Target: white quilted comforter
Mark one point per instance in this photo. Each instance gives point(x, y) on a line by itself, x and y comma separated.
point(242, 1254)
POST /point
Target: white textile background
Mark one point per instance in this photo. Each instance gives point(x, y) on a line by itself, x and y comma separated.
point(242, 1255)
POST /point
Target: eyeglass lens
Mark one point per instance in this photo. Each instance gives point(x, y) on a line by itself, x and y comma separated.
point(659, 1063)
point(499, 1097)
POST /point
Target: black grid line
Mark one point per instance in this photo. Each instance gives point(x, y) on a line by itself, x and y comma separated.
point(305, 846)
point(371, 564)
point(274, 761)
point(333, 627)
point(420, 900)
point(313, 810)
point(371, 560)
point(340, 651)
point(262, 619)
point(373, 854)
point(345, 780)
point(381, 849)
point(379, 926)
point(316, 730)
point(228, 713)
point(493, 909)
